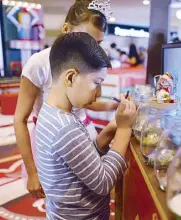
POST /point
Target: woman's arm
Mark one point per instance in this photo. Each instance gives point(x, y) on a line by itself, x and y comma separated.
point(27, 96)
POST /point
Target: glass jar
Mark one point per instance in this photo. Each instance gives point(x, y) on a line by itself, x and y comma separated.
point(174, 185)
point(157, 121)
point(168, 145)
point(141, 90)
point(142, 112)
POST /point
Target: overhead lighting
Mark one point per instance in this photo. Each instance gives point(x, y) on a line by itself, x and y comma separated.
point(112, 19)
point(19, 4)
point(146, 2)
point(25, 5)
point(12, 3)
point(38, 6)
point(5, 2)
point(33, 5)
point(178, 14)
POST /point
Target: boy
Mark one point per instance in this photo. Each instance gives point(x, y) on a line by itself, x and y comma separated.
point(76, 173)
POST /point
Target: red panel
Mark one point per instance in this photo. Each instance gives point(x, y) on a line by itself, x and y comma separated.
point(8, 103)
point(138, 202)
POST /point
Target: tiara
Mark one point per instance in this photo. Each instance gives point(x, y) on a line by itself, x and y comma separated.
point(104, 8)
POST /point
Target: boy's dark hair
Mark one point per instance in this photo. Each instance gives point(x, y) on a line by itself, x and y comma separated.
point(77, 50)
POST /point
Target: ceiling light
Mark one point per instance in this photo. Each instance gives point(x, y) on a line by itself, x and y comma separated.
point(5, 2)
point(38, 6)
point(33, 5)
point(12, 3)
point(25, 5)
point(112, 19)
point(19, 4)
point(146, 2)
point(178, 14)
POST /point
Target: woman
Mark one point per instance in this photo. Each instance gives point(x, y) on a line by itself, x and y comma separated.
point(134, 58)
point(36, 83)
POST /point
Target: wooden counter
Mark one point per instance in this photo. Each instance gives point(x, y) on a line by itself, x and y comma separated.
point(142, 197)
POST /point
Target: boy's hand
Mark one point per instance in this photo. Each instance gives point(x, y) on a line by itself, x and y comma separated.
point(113, 105)
point(126, 114)
point(34, 186)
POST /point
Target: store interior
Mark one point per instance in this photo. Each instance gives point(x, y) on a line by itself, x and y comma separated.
point(151, 186)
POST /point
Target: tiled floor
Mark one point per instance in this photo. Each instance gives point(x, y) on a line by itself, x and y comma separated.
point(7, 134)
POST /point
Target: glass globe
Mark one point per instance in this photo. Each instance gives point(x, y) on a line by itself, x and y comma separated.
point(142, 102)
point(168, 145)
point(174, 185)
point(156, 122)
point(142, 90)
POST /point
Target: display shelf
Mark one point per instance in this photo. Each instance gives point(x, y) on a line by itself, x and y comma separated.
point(141, 196)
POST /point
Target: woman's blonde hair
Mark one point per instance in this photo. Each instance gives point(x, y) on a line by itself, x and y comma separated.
point(79, 13)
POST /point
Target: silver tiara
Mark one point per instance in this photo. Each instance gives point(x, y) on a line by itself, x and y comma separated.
point(104, 8)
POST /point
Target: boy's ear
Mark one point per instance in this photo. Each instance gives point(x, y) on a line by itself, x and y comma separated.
point(70, 77)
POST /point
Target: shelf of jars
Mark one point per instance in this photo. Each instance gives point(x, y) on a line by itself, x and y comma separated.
point(153, 179)
point(142, 197)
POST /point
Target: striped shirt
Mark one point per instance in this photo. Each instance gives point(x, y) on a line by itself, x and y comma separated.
point(75, 174)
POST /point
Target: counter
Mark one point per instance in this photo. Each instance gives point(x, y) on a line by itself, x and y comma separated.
point(139, 196)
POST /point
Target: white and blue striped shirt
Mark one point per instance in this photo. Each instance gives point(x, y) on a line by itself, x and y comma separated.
point(75, 175)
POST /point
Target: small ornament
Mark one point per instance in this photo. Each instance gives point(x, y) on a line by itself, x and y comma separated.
point(165, 88)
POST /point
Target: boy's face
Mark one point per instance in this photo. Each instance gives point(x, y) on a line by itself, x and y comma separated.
point(85, 87)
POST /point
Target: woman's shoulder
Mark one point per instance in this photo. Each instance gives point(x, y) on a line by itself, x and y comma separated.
point(37, 68)
point(41, 58)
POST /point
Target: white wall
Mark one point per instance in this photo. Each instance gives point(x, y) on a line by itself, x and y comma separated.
point(53, 21)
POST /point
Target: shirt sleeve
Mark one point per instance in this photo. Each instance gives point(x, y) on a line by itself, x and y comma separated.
point(79, 153)
point(99, 150)
point(33, 71)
